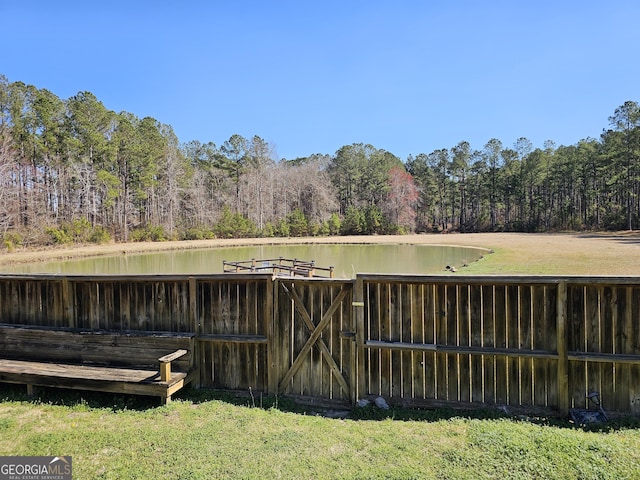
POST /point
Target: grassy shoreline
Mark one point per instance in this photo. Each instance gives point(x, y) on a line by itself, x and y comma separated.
point(613, 253)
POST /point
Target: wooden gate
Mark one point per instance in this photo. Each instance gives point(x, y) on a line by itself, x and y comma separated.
point(313, 348)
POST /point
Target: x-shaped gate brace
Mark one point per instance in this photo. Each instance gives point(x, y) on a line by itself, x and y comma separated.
point(314, 339)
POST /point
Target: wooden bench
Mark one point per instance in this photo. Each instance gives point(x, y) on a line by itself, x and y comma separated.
point(137, 363)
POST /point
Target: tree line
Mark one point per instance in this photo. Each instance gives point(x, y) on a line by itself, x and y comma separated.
point(74, 171)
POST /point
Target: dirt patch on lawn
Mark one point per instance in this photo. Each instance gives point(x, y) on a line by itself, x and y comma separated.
point(577, 254)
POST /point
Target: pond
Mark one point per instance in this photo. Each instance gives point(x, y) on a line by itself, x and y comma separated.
point(347, 260)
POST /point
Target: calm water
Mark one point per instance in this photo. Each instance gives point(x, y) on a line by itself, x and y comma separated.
point(346, 259)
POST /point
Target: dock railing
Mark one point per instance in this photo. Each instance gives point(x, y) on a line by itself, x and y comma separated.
point(279, 266)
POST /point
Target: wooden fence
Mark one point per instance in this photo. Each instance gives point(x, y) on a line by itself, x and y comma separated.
point(536, 341)
point(230, 315)
point(416, 340)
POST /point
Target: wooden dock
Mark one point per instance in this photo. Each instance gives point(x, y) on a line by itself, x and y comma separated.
point(279, 266)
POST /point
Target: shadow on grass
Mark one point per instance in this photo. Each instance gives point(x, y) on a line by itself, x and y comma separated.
point(372, 413)
point(630, 237)
point(70, 398)
point(116, 403)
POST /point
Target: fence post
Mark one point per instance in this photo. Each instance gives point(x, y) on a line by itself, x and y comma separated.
point(357, 377)
point(68, 313)
point(195, 328)
point(193, 306)
point(273, 340)
point(562, 342)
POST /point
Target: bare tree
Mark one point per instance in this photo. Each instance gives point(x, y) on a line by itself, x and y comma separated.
point(260, 168)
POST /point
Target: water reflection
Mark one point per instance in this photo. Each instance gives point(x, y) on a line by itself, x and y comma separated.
point(346, 259)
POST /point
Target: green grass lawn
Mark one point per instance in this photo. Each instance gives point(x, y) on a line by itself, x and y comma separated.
point(200, 436)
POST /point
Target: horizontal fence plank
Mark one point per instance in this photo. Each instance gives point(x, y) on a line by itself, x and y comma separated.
point(232, 338)
point(461, 349)
point(604, 357)
point(448, 279)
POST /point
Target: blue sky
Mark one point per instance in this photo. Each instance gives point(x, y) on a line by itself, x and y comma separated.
point(409, 77)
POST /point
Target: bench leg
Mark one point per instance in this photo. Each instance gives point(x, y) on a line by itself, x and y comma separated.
point(165, 399)
point(30, 390)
